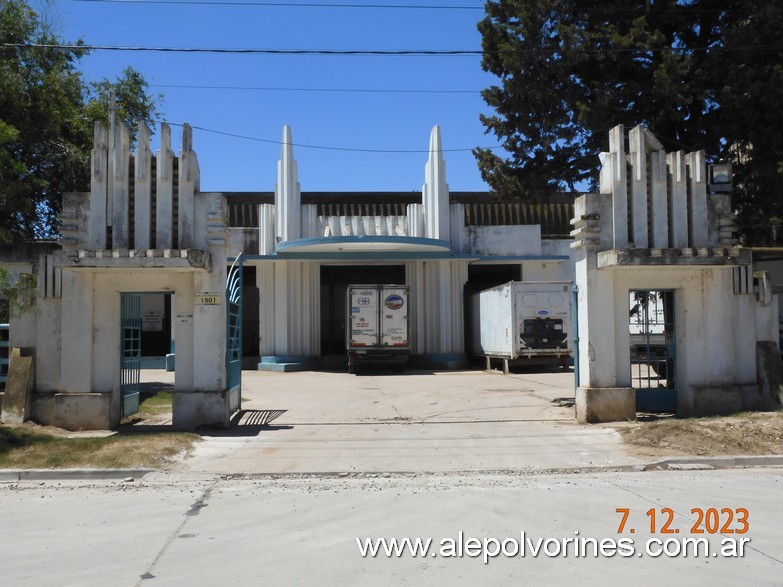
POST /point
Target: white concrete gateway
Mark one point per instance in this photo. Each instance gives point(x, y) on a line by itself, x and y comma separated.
point(142, 277)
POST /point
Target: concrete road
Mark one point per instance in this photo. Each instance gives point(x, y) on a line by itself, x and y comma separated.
point(301, 530)
point(326, 422)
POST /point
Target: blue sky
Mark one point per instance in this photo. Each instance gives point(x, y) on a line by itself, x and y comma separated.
point(348, 120)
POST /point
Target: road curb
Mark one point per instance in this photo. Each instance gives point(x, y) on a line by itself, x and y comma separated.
point(156, 475)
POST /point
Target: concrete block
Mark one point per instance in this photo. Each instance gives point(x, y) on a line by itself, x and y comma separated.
point(197, 409)
point(720, 400)
point(605, 404)
point(17, 402)
point(84, 411)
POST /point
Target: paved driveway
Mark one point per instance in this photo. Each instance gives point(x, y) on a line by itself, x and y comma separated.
point(327, 422)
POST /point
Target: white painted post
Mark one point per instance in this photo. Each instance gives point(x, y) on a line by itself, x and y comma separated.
point(98, 188)
point(288, 197)
point(142, 238)
point(678, 199)
point(660, 201)
point(638, 187)
point(698, 188)
point(77, 315)
point(619, 187)
point(119, 164)
point(164, 207)
point(189, 180)
point(435, 192)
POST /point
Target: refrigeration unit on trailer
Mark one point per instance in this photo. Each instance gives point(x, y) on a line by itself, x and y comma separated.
point(527, 323)
point(377, 326)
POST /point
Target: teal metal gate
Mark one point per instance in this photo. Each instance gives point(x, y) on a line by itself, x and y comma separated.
point(130, 366)
point(653, 350)
point(234, 334)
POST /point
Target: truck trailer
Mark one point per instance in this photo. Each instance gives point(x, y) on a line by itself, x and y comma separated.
point(524, 323)
point(376, 330)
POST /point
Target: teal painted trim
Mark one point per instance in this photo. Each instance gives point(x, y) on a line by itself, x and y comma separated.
point(283, 247)
point(153, 362)
point(398, 256)
point(525, 258)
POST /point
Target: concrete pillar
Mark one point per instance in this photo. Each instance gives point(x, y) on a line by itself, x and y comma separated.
point(265, 279)
point(189, 180)
point(119, 170)
point(164, 206)
point(184, 302)
point(415, 220)
point(435, 193)
point(281, 312)
point(288, 198)
point(678, 193)
point(638, 183)
point(106, 335)
point(77, 312)
point(266, 229)
point(459, 233)
point(618, 164)
point(660, 201)
point(142, 237)
point(209, 334)
point(98, 188)
point(698, 199)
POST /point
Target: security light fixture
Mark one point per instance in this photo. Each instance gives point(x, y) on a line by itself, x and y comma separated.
point(720, 178)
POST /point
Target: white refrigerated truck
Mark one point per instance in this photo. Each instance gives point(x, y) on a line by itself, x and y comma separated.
point(529, 323)
point(377, 326)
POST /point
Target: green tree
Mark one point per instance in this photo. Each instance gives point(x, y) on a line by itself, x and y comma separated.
point(698, 73)
point(46, 121)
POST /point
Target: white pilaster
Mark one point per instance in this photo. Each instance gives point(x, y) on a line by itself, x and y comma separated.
point(142, 238)
point(288, 196)
point(164, 207)
point(189, 180)
point(638, 187)
point(660, 201)
point(266, 229)
point(119, 168)
point(98, 188)
point(619, 187)
point(435, 193)
point(679, 199)
point(77, 316)
point(184, 304)
point(698, 200)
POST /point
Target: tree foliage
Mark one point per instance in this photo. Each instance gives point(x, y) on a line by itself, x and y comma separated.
point(700, 74)
point(47, 112)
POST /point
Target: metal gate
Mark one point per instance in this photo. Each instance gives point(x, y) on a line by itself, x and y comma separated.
point(653, 350)
point(130, 360)
point(234, 334)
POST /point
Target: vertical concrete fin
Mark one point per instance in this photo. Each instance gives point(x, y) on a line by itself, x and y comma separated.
point(698, 199)
point(120, 200)
point(287, 192)
point(678, 199)
point(639, 195)
point(619, 187)
point(659, 200)
point(435, 192)
point(164, 206)
point(187, 188)
point(98, 188)
point(142, 237)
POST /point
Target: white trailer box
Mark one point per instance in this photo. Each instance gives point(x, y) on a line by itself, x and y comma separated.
point(377, 326)
point(525, 322)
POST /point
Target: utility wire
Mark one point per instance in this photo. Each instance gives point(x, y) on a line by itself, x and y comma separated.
point(322, 147)
point(348, 90)
point(553, 52)
point(406, 52)
point(289, 4)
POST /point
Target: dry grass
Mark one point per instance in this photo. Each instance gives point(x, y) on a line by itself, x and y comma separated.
point(32, 447)
point(757, 433)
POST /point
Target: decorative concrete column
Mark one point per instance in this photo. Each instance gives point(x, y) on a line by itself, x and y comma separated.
point(119, 168)
point(98, 188)
point(435, 193)
point(288, 198)
point(679, 198)
point(142, 237)
point(617, 165)
point(77, 315)
point(164, 203)
point(189, 180)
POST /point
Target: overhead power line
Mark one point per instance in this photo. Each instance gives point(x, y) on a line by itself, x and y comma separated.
point(544, 52)
point(291, 4)
point(346, 90)
point(323, 147)
point(392, 52)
